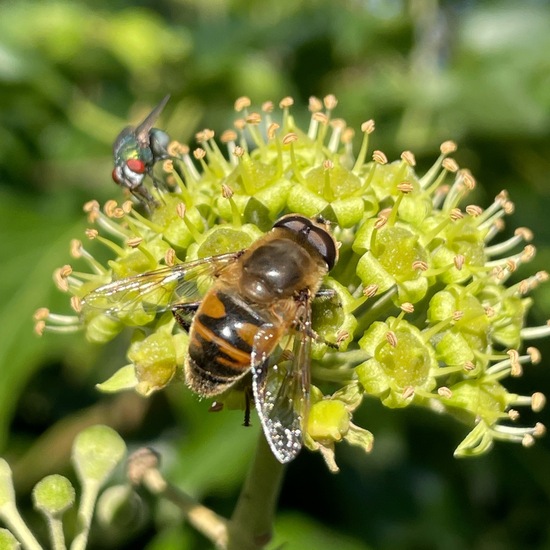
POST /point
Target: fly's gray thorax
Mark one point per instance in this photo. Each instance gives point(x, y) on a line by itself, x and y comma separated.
point(275, 270)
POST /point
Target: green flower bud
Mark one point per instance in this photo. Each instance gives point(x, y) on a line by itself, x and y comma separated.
point(121, 507)
point(155, 361)
point(102, 328)
point(442, 305)
point(509, 321)
point(53, 495)
point(96, 452)
point(135, 261)
point(416, 207)
point(225, 206)
point(453, 349)
point(485, 400)
point(397, 249)
point(220, 240)
point(177, 232)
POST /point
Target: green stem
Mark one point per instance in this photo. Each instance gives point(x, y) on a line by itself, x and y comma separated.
point(57, 536)
point(251, 524)
point(203, 519)
point(18, 527)
point(143, 470)
point(367, 316)
point(342, 375)
point(90, 490)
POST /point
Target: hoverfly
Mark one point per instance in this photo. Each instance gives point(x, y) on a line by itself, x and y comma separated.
point(259, 297)
point(136, 150)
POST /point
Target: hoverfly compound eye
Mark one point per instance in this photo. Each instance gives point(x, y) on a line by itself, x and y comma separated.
point(136, 165)
point(315, 234)
point(294, 223)
point(325, 244)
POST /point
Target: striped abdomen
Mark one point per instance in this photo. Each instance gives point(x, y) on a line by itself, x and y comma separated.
point(221, 341)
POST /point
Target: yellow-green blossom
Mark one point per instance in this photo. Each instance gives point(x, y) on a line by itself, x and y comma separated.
point(418, 306)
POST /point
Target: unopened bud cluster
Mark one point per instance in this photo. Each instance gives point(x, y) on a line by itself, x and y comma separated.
point(423, 313)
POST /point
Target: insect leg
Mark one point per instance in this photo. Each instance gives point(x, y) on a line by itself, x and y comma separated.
point(144, 197)
point(310, 333)
point(247, 399)
point(327, 293)
point(184, 313)
point(323, 293)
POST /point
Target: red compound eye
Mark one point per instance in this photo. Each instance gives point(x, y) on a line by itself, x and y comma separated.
point(136, 165)
point(114, 175)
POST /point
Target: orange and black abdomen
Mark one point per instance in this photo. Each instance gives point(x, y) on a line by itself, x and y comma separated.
point(221, 341)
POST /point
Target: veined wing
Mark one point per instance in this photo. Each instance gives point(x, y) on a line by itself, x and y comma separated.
point(158, 290)
point(281, 391)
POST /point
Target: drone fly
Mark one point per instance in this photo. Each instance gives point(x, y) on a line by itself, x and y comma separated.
point(258, 306)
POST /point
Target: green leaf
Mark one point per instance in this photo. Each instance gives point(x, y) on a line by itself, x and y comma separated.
point(298, 531)
point(29, 257)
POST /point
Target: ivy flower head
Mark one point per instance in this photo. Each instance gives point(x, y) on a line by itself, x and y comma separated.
point(419, 312)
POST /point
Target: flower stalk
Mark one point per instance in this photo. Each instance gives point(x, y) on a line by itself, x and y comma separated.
point(250, 526)
point(143, 470)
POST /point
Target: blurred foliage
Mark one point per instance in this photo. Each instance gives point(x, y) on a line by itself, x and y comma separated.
point(72, 74)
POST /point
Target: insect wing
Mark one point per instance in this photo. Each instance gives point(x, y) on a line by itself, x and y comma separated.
point(281, 392)
point(155, 291)
point(142, 131)
point(127, 134)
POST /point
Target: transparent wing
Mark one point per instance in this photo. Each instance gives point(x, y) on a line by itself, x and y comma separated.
point(281, 390)
point(156, 291)
point(121, 138)
point(142, 131)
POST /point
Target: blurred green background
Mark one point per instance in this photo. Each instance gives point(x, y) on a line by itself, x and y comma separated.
point(72, 74)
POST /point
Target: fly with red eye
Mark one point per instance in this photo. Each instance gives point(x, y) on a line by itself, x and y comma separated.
point(136, 151)
point(136, 165)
